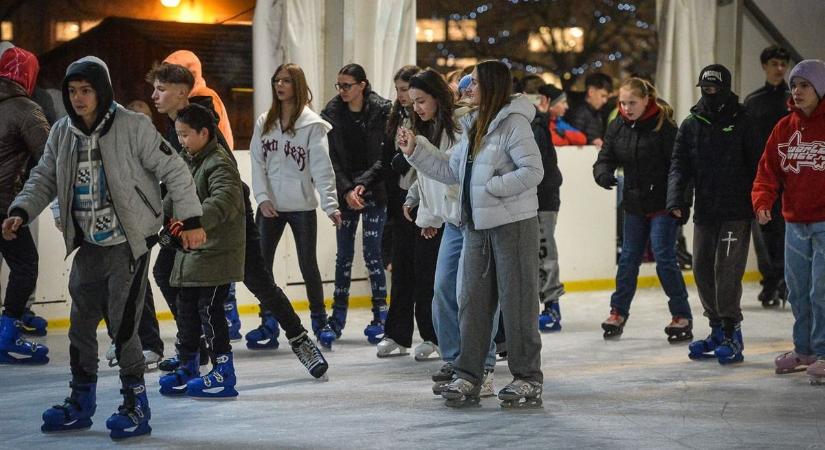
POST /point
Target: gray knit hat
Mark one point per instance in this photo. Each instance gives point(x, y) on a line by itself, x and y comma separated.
point(812, 70)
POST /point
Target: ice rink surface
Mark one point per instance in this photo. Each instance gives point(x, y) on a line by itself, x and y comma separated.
point(638, 392)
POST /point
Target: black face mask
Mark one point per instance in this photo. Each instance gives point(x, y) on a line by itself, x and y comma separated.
point(715, 102)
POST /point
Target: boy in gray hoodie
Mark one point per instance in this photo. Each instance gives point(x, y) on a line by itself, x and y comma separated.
point(104, 165)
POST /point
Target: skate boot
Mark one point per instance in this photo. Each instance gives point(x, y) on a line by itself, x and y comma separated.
point(323, 332)
point(233, 320)
point(151, 360)
point(219, 383)
point(425, 351)
point(769, 295)
point(266, 335)
point(460, 393)
point(375, 330)
point(679, 330)
point(16, 350)
point(111, 355)
point(388, 347)
point(174, 384)
point(683, 257)
point(790, 362)
point(614, 325)
point(782, 291)
point(488, 386)
point(338, 320)
point(442, 378)
point(309, 355)
point(730, 350)
point(704, 349)
point(32, 325)
point(521, 394)
point(550, 318)
point(75, 413)
point(816, 372)
point(132, 417)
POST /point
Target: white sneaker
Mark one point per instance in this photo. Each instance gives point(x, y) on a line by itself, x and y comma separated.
point(488, 387)
point(111, 355)
point(151, 360)
point(425, 350)
point(387, 347)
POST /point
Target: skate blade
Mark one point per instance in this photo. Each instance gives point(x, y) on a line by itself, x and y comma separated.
point(77, 425)
point(522, 403)
point(431, 357)
point(701, 356)
point(141, 430)
point(673, 339)
point(6, 358)
point(266, 345)
point(463, 403)
point(779, 371)
point(726, 361)
point(112, 363)
point(391, 355)
point(323, 378)
point(817, 381)
point(223, 394)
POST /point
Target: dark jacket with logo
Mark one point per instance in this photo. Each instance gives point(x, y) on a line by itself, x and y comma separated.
point(645, 155)
point(368, 167)
point(548, 189)
point(719, 153)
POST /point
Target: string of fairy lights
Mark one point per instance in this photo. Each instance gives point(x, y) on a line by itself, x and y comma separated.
point(603, 15)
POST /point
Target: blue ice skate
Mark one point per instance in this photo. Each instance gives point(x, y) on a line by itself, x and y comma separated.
point(75, 413)
point(730, 350)
point(174, 384)
point(705, 348)
point(322, 330)
point(132, 417)
point(375, 330)
point(32, 324)
point(16, 350)
point(338, 320)
point(219, 383)
point(266, 335)
point(233, 320)
point(550, 318)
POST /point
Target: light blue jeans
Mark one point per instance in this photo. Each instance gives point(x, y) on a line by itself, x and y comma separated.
point(805, 276)
point(445, 298)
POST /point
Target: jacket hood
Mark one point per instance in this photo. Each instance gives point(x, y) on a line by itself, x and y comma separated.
point(519, 104)
point(309, 117)
point(5, 45)
point(95, 71)
point(191, 61)
point(20, 66)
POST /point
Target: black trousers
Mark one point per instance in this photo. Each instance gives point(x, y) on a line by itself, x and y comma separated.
point(413, 277)
point(21, 256)
point(200, 309)
point(720, 253)
point(769, 243)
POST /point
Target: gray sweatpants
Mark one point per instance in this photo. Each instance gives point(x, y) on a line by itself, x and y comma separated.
point(500, 269)
point(106, 277)
point(550, 287)
point(720, 253)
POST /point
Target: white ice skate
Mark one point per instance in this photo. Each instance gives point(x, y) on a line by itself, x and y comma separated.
point(151, 360)
point(425, 350)
point(521, 394)
point(388, 347)
point(111, 355)
point(488, 387)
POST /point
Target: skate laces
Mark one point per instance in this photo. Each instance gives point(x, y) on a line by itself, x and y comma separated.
point(308, 355)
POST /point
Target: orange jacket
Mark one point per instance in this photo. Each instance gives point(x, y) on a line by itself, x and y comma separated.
point(189, 60)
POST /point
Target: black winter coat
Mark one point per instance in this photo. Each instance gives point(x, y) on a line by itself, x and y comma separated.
point(766, 106)
point(548, 189)
point(719, 155)
point(645, 155)
point(588, 120)
point(347, 176)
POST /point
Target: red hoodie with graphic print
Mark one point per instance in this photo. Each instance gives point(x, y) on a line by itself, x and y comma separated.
point(794, 161)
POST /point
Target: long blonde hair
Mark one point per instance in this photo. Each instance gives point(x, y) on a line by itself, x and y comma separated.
point(643, 88)
point(303, 96)
point(495, 84)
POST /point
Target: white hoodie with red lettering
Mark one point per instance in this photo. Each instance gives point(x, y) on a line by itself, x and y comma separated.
point(288, 168)
point(794, 162)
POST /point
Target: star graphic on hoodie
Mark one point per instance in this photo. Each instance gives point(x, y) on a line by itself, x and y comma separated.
point(795, 154)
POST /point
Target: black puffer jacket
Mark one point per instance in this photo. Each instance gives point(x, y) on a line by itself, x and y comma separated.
point(645, 154)
point(548, 189)
point(588, 120)
point(346, 161)
point(719, 154)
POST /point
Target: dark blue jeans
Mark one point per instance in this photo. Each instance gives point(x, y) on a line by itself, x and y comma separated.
point(661, 231)
point(373, 230)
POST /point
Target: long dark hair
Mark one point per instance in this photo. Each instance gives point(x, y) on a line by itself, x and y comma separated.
point(494, 86)
point(397, 114)
point(433, 84)
point(303, 96)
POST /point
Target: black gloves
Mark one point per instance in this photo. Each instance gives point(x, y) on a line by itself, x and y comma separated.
point(606, 180)
point(169, 236)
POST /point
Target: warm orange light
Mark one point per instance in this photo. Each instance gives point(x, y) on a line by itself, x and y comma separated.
point(170, 3)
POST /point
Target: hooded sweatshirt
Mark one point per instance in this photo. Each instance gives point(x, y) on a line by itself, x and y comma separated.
point(794, 160)
point(189, 60)
point(23, 127)
point(287, 168)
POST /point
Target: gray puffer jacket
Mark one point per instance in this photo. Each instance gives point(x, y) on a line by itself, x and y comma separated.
point(506, 170)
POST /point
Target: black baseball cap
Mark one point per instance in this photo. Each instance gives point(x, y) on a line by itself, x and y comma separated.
point(715, 75)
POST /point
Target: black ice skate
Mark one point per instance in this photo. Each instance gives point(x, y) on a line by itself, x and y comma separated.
point(679, 330)
point(614, 325)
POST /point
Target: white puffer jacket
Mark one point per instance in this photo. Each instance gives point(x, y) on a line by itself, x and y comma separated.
point(437, 202)
point(506, 170)
point(287, 169)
